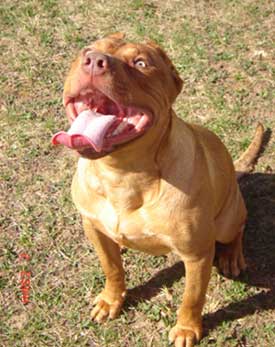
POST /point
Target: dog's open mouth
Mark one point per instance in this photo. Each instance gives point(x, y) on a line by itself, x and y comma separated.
point(99, 123)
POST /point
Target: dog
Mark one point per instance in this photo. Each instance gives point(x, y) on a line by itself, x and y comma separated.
point(148, 180)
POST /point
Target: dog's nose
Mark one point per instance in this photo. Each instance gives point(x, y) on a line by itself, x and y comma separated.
point(95, 63)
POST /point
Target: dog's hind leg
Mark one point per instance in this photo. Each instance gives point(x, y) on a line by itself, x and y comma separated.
point(229, 257)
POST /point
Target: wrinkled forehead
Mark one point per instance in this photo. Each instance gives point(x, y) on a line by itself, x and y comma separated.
point(124, 50)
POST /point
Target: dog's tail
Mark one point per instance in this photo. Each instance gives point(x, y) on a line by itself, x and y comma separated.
point(245, 163)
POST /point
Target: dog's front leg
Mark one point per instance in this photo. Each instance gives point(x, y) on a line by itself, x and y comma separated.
point(108, 303)
point(188, 329)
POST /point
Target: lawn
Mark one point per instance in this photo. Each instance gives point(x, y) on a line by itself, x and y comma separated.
point(225, 53)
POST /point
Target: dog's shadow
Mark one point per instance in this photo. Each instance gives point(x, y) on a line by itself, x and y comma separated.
point(259, 248)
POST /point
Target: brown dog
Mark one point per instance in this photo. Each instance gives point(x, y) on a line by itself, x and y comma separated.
point(158, 184)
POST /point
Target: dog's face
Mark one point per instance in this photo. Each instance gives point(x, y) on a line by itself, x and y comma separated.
point(115, 93)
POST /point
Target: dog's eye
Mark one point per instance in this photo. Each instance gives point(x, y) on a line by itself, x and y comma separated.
point(140, 63)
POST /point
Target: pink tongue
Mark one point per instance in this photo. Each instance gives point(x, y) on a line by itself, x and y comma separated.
point(88, 129)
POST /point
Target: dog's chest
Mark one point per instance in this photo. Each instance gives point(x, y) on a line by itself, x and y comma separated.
point(120, 208)
point(130, 228)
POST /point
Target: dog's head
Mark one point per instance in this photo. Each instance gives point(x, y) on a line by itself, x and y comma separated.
point(115, 93)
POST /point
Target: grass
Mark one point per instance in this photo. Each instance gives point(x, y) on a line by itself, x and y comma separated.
point(224, 51)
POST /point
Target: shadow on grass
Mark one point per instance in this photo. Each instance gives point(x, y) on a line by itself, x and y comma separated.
point(151, 288)
point(259, 247)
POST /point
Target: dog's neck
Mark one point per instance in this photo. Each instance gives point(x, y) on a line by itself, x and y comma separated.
point(126, 176)
point(128, 181)
point(124, 186)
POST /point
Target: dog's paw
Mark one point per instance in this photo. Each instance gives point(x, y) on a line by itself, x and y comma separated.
point(230, 261)
point(229, 257)
point(107, 307)
point(185, 336)
point(231, 265)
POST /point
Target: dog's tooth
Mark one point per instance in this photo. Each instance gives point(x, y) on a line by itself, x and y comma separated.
point(141, 123)
point(120, 128)
point(134, 120)
point(115, 132)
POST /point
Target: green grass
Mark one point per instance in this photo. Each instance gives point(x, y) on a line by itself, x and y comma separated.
point(224, 51)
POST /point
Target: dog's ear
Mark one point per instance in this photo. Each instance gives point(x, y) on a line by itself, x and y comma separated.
point(175, 75)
